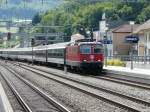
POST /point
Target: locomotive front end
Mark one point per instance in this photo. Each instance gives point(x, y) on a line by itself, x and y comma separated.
point(91, 56)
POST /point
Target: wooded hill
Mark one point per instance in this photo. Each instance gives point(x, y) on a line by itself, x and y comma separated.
point(21, 9)
point(89, 12)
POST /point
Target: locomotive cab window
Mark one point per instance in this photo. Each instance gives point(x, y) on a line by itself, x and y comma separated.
point(85, 49)
point(98, 49)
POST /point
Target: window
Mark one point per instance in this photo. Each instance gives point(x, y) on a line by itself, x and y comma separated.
point(85, 49)
point(98, 49)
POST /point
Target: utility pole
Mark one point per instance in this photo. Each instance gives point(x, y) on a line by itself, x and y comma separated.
point(32, 44)
point(65, 63)
point(132, 24)
point(103, 32)
point(46, 39)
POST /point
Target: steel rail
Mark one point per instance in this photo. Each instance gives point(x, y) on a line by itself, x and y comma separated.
point(17, 95)
point(126, 82)
point(44, 95)
point(113, 76)
point(90, 93)
point(100, 88)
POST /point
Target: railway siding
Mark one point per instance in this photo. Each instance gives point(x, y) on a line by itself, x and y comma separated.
point(77, 99)
point(101, 94)
point(33, 101)
point(129, 89)
point(83, 86)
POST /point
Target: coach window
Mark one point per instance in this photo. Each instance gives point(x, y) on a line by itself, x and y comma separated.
point(49, 52)
point(85, 49)
point(98, 49)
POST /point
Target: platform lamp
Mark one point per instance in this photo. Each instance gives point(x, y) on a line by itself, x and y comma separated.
point(105, 39)
point(132, 25)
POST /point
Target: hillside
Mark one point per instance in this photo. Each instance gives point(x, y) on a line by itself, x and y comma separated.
point(21, 9)
point(79, 13)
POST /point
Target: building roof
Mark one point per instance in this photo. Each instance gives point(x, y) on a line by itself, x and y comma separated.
point(76, 37)
point(143, 27)
point(126, 28)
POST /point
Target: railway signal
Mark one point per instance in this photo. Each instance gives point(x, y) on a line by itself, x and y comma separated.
point(32, 42)
point(82, 31)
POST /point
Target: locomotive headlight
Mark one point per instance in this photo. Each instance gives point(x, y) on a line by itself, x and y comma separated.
point(99, 60)
point(84, 60)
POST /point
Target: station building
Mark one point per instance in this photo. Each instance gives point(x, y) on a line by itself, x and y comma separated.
point(119, 34)
point(143, 31)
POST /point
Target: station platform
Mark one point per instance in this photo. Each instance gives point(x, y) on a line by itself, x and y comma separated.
point(4, 102)
point(136, 72)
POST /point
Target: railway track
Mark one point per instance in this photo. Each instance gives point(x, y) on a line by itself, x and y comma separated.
point(128, 78)
point(144, 105)
point(124, 81)
point(27, 101)
point(111, 79)
point(115, 79)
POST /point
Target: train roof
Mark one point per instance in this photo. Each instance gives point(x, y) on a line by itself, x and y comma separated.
point(17, 49)
point(81, 43)
point(52, 46)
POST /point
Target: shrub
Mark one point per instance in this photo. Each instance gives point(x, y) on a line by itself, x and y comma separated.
point(116, 62)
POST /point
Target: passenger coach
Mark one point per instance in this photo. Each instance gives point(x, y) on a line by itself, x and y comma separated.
point(76, 55)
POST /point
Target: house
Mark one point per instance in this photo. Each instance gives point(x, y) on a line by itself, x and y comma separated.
point(143, 31)
point(119, 34)
point(109, 44)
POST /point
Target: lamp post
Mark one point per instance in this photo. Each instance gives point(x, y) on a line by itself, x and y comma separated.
point(105, 45)
point(132, 24)
point(145, 52)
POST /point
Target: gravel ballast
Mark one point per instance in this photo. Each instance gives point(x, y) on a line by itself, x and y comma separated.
point(121, 88)
point(33, 99)
point(79, 101)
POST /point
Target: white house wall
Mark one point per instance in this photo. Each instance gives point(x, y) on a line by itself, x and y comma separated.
point(148, 42)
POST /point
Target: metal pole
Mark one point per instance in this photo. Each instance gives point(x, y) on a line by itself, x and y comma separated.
point(28, 36)
point(106, 52)
point(105, 45)
point(132, 49)
point(65, 66)
point(46, 39)
point(132, 59)
point(145, 55)
point(32, 54)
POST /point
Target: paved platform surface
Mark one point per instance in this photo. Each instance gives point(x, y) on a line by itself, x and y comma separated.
point(136, 72)
point(1, 105)
point(4, 102)
point(141, 65)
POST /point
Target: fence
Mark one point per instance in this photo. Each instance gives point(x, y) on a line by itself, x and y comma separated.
point(127, 58)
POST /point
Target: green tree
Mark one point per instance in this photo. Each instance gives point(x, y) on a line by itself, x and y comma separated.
point(36, 19)
point(88, 13)
point(144, 15)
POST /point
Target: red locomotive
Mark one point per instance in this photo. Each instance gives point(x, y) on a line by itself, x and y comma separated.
point(85, 56)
